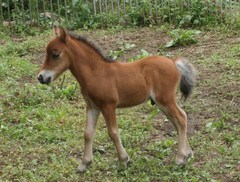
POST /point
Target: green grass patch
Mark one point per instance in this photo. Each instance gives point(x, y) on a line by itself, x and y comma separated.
point(41, 127)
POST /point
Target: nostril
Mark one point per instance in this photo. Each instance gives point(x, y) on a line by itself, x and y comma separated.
point(40, 78)
point(43, 80)
point(48, 80)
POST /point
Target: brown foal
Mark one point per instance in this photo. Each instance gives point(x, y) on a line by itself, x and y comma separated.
point(107, 85)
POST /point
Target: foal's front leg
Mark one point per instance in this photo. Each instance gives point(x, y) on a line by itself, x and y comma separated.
point(109, 114)
point(92, 116)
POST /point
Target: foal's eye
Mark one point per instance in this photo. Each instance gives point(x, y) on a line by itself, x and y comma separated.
point(55, 55)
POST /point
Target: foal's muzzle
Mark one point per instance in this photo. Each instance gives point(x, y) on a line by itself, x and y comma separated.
point(46, 76)
point(44, 81)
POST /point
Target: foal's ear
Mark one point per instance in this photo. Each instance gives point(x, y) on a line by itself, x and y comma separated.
point(61, 33)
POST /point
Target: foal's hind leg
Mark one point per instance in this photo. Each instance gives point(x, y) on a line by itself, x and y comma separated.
point(179, 119)
point(108, 112)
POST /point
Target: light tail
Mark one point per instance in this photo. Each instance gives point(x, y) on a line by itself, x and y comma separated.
point(188, 76)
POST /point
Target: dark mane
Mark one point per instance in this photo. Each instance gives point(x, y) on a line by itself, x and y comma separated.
point(86, 41)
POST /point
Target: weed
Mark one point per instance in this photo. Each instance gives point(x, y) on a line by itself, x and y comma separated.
point(143, 53)
point(182, 37)
point(115, 54)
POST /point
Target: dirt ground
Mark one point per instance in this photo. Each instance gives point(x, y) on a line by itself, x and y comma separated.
point(153, 40)
point(213, 96)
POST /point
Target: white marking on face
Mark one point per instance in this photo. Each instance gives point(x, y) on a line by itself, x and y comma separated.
point(46, 74)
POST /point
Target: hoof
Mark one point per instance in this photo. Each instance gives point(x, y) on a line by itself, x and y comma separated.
point(82, 168)
point(190, 154)
point(124, 164)
point(182, 160)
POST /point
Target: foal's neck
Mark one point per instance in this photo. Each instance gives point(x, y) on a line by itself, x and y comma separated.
point(85, 62)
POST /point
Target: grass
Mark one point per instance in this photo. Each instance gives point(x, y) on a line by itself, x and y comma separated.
point(41, 127)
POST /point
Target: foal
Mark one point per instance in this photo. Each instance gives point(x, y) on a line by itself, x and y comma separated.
point(107, 85)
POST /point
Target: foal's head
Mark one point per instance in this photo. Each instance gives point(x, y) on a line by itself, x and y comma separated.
point(57, 57)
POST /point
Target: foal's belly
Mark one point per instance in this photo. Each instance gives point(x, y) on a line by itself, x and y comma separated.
point(132, 95)
point(130, 103)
